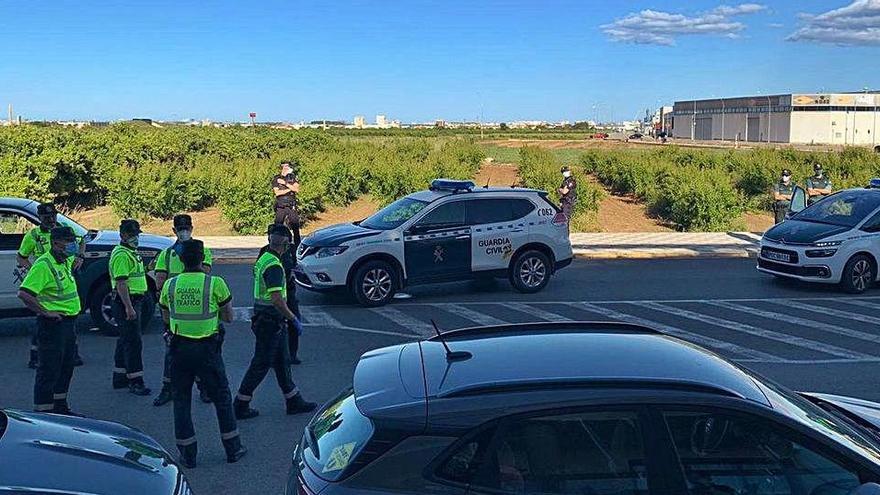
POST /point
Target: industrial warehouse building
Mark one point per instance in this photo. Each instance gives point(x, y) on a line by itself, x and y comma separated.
point(841, 119)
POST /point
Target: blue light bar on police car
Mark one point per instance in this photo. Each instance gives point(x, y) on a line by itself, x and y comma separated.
point(451, 185)
point(874, 183)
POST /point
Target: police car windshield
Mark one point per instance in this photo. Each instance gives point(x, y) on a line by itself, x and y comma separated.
point(845, 209)
point(78, 229)
point(393, 215)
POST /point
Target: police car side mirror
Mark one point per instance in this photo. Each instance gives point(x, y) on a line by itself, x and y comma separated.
point(867, 489)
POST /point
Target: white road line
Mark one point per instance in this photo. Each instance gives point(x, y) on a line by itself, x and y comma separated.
point(318, 317)
point(406, 321)
point(532, 310)
point(847, 315)
point(758, 332)
point(825, 327)
point(474, 316)
point(414, 302)
point(864, 304)
point(749, 354)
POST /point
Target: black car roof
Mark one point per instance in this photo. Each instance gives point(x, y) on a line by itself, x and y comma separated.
point(550, 360)
point(20, 203)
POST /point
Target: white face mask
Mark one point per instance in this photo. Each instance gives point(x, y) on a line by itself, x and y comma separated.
point(786, 179)
point(566, 174)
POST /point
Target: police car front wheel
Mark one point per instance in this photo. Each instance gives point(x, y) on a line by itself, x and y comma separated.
point(374, 283)
point(858, 274)
point(530, 272)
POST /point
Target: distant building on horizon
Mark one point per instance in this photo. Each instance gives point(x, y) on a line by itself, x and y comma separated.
point(359, 122)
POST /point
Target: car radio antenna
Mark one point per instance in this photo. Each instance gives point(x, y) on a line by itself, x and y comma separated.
point(487, 182)
point(450, 354)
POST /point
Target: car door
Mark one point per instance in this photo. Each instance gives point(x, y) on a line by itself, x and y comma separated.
point(13, 227)
point(599, 452)
point(437, 247)
point(798, 201)
point(725, 451)
point(499, 229)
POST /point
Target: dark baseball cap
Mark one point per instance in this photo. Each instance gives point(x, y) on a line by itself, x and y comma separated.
point(62, 234)
point(280, 230)
point(817, 167)
point(786, 171)
point(129, 226)
point(192, 249)
point(182, 220)
point(46, 209)
point(565, 169)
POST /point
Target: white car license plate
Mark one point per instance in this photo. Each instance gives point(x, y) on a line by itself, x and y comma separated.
point(784, 257)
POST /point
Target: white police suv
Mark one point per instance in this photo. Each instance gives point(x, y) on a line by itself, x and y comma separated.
point(834, 241)
point(451, 232)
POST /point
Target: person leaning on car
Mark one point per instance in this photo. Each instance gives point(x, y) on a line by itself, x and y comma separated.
point(818, 186)
point(50, 291)
point(285, 186)
point(782, 192)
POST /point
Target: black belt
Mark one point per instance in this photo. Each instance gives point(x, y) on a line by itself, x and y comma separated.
point(209, 339)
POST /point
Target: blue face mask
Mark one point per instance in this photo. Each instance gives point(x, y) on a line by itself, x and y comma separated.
point(71, 249)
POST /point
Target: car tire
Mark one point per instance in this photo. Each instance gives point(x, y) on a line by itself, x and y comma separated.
point(99, 309)
point(858, 274)
point(530, 272)
point(374, 283)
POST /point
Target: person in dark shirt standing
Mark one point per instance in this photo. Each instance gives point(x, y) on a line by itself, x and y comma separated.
point(818, 186)
point(782, 192)
point(285, 186)
point(567, 193)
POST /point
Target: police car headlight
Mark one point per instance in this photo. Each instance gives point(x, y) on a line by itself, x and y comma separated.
point(820, 253)
point(827, 244)
point(327, 252)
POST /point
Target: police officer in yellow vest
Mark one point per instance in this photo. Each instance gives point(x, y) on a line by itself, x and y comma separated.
point(35, 244)
point(193, 303)
point(50, 291)
point(169, 265)
point(128, 278)
point(269, 325)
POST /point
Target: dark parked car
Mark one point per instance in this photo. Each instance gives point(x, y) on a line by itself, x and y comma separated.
point(636, 135)
point(51, 454)
point(19, 216)
point(579, 408)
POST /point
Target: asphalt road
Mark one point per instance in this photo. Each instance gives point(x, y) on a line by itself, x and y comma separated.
point(807, 337)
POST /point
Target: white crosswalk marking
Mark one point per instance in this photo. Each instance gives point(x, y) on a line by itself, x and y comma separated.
point(474, 316)
point(534, 311)
point(242, 313)
point(408, 322)
point(848, 315)
point(859, 302)
point(748, 354)
point(758, 332)
point(318, 317)
point(818, 325)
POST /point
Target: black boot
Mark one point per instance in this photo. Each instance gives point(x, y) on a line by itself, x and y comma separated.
point(120, 381)
point(234, 449)
point(188, 454)
point(164, 396)
point(32, 362)
point(297, 405)
point(243, 410)
point(62, 408)
point(138, 388)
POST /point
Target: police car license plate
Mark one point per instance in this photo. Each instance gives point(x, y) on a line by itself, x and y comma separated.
point(773, 255)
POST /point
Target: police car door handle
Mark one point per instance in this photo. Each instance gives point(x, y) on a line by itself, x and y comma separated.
point(516, 230)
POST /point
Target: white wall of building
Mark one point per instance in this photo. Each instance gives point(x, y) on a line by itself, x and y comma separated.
point(842, 128)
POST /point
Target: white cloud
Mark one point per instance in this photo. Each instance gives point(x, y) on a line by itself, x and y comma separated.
point(856, 24)
point(662, 28)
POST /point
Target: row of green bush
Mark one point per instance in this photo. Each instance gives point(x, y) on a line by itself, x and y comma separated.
point(708, 190)
point(143, 171)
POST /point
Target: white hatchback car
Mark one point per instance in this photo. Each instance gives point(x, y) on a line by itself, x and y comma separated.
point(451, 232)
point(834, 241)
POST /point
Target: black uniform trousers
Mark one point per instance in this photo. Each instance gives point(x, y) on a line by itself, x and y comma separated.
point(166, 371)
point(34, 347)
point(567, 208)
point(55, 355)
point(202, 359)
point(128, 358)
point(288, 216)
point(270, 352)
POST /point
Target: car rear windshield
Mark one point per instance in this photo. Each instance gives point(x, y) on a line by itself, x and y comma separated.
point(393, 215)
point(335, 437)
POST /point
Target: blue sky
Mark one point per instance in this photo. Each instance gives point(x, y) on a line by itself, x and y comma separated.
point(418, 60)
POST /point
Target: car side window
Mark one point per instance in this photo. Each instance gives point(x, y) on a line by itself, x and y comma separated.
point(13, 227)
point(522, 207)
point(488, 211)
point(599, 453)
point(873, 224)
point(466, 459)
point(446, 215)
point(723, 453)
